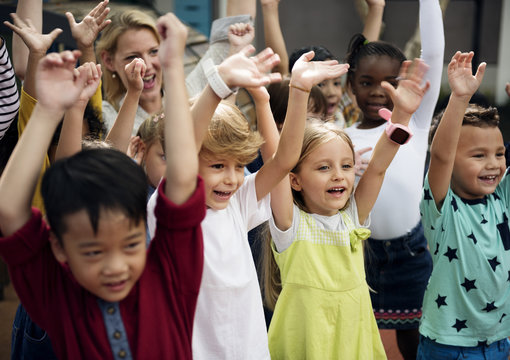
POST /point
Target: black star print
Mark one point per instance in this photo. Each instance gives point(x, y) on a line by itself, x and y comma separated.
point(494, 262)
point(469, 284)
point(489, 307)
point(437, 250)
point(459, 325)
point(426, 195)
point(432, 228)
point(451, 254)
point(496, 197)
point(441, 300)
point(454, 204)
point(472, 237)
point(442, 228)
point(502, 316)
point(508, 276)
point(483, 220)
point(504, 232)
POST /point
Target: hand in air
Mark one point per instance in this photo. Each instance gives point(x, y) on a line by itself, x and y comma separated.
point(460, 75)
point(85, 32)
point(33, 39)
point(307, 73)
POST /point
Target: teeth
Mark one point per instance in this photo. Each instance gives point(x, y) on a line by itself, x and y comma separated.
point(148, 78)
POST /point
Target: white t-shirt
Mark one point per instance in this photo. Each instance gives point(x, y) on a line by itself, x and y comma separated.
point(229, 319)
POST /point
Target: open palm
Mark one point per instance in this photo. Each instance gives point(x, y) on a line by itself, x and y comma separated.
point(460, 75)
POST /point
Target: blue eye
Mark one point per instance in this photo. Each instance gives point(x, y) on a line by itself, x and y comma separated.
point(324, 167)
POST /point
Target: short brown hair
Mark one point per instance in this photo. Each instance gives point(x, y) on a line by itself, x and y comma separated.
point(475, 115)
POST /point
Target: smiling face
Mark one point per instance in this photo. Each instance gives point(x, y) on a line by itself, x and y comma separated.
point(479, 162)
point(138, 43)
point(108, 263)
point(332, 90)
point(325, 177)
point(222, 176)
point(366, 84)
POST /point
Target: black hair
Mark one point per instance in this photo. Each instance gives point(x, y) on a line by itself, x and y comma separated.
point(97, 128)
point(360, 47)
point(321, 54)
point(94, 180)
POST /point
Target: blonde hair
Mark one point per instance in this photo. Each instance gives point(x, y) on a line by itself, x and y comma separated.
point(121, 22)
point(317, 132)
point(229, 135)
point(152, 130)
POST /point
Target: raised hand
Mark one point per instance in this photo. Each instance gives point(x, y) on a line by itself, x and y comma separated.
point(360, 163)
point(307, 73)
point(86, 31)
point(135, 71)
point(173, 35)
point(93, 72)
point(35, 41)
point(410, 91)
point(57, 84)
point(375, 2)
point(460, 75)
point(244, 71)
point(240, 35)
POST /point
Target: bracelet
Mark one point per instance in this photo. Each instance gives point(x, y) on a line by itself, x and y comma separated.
point(299, 88)
point(215, 81)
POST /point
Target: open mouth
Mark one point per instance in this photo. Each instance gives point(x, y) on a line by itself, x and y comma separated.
point(149, 81)
point(116, 285)
point(223, 195)
point(336, 191)
point(489, 179)
point(332, 108)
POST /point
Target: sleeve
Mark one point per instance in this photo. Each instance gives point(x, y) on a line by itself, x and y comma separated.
point(9, 97)
point(27, 105)
point(177, 247)
point(33, 269)
point(253, 212)
point(432, 42)
point(217, 51)
point(352, 210)
point(109, 115)
point(283, 239)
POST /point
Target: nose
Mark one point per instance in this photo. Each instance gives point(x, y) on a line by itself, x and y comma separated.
point(337, 174)
point(328, 88)
point(115, 265)
point(377, 90)
point(229, 176)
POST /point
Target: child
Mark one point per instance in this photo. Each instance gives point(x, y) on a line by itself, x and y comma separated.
point(399, 264)
point(90, 282)
point(324, 308)
point(464, 206)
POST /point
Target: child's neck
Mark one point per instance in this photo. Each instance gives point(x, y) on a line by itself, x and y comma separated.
point(370, 123)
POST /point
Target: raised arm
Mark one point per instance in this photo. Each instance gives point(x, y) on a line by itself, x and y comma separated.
point(120, 133)
point(432, 52)
point(37, 43)
point(373, 20)
point(305, 74)
point(406, 99)
point(58, 87)
point(238, 70)
point(273, 35)
point(444, 145)
point(72, 127)
point(86, 31)
point(25, 9)
point(180, 148)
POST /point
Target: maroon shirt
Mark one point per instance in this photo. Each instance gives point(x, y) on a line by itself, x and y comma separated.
point(158, 312)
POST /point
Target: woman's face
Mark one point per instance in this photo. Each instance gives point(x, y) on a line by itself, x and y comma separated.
point(138, 43)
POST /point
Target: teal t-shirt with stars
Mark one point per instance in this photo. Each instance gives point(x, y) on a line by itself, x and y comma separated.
point(468, 296)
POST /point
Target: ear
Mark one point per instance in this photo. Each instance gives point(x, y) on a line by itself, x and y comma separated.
point(58, 250)
point(295, 182)
point(107, 60)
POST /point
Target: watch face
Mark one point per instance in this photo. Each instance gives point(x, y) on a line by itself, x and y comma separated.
point(399, 136)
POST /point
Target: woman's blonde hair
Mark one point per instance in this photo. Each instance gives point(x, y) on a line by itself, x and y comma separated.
point(121, 22)
point(229, 135)
point(317, 132)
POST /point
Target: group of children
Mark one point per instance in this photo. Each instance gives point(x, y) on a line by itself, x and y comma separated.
point(143, 249)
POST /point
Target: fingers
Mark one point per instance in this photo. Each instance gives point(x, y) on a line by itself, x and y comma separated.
point(55, 33)
point(364, 150)
point(480, 72)
point(70, 19)
point(250, 49)
point(307, 56)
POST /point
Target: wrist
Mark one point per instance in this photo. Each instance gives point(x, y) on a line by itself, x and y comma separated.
point(218, 79)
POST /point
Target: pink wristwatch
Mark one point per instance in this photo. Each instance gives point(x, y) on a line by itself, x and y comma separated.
point(398, 133)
